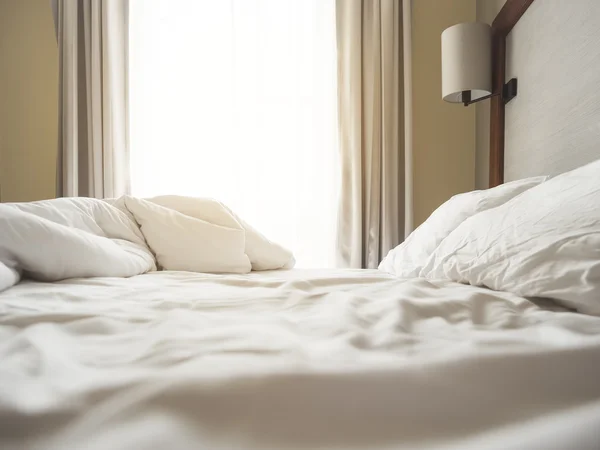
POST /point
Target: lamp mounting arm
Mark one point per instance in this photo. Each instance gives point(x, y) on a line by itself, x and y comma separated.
point(509, 91)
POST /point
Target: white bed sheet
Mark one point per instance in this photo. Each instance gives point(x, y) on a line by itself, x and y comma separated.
point(339, 359)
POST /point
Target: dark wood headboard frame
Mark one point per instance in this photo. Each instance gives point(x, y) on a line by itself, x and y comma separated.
point(504, 22)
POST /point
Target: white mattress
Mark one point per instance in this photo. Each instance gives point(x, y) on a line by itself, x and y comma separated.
point(292, 359)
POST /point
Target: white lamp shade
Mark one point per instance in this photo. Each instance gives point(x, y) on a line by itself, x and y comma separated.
point(466, 61)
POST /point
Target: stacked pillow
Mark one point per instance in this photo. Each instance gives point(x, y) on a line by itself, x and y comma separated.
point(543, 242)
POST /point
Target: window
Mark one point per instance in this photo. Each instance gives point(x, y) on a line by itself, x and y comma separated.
point(237, 100)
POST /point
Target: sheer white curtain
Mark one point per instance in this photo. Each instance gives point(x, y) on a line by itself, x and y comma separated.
point(236, 100)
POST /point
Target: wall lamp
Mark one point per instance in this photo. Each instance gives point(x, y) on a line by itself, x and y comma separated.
point(467, 65)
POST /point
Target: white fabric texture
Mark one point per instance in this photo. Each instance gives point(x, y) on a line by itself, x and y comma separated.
point(292, 360)
point(8, 276)
point(543, 243)
point(263, 253)
point(408, 259)
point(83, 237)
point(67, 238)
point(182, 242)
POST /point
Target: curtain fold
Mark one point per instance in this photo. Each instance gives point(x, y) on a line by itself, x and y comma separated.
point(93, 148)
point(372, 215)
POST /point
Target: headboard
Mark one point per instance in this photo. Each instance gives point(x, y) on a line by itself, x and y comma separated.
point(553, 125)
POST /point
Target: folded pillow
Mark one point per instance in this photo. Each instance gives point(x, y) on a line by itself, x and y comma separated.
point(543, 243)
point(407, 259)
point(263, 253)
point(182, 242)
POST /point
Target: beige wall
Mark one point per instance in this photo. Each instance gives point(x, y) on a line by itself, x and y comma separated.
point(486, 12)
point(444, 133)
point(28, 100)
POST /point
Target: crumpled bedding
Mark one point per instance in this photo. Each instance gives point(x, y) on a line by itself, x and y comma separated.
point(292, 359)
point(82, 237)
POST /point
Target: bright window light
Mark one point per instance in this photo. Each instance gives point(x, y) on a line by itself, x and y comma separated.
point(237, 100)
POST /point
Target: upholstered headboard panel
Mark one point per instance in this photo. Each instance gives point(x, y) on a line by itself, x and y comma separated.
point(553, 125)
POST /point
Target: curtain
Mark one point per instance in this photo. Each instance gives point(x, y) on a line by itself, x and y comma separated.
point(237, 100)
point(374, 127)
point(93, 153)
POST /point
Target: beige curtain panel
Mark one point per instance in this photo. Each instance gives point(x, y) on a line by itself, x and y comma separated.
point(373, 215)
point(93, 151)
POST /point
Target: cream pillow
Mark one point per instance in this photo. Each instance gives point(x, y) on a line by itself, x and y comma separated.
point(543, 243)
point(263, 253)
point(407, 259)
point(182, 242)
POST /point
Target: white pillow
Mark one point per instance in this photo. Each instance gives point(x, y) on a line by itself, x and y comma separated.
point(182, 242)
point(543, 243)
point(263, 253)
point(46, 250)
point(407, 259)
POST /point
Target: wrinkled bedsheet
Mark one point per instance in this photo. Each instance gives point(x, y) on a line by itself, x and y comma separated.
point(338, 359)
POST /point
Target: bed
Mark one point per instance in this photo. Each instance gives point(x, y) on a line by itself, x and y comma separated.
point(293, 359)
point(410, 356)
